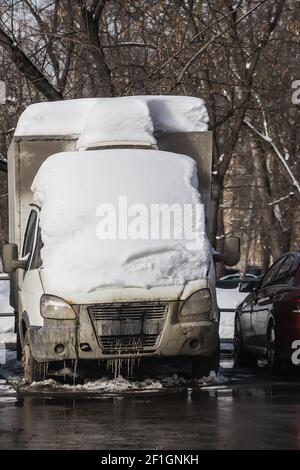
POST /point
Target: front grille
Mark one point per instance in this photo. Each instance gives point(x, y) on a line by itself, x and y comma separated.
point(125, 328)
point(128, 344)
point(134, 311)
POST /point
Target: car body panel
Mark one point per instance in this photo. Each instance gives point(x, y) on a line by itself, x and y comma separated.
point(273, 301)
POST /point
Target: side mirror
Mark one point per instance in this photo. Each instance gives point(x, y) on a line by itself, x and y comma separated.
point(231, 255)
point(249, 286)
point(11, 261)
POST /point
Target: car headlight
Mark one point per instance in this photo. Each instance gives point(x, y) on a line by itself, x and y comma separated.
point(55, 308)
point(197, 306)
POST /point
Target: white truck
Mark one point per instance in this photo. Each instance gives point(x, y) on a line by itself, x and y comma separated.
point(79, 297)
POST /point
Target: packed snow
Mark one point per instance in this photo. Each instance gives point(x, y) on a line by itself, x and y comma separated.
point(76, 261)
point(177, 113)
point(70, 117)
point(121, 384)
point(54, 118)
point(110, 123)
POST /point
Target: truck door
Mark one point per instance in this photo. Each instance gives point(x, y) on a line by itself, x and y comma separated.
point(30, 288)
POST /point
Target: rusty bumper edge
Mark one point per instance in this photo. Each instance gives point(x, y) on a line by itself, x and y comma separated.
point(44, 341)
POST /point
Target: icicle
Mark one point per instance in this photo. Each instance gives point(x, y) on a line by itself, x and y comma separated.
point(75, 371)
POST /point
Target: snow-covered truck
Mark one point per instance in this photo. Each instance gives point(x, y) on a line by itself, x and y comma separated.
point(97, 272)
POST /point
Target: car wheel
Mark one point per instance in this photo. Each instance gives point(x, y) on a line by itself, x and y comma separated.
point(274, 362)
point(202, 366)
point(33, 371)
point(241, 357)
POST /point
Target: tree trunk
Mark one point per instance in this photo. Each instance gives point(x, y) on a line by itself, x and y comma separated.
point(295, 235)
point(270, 227)
point(216, 199)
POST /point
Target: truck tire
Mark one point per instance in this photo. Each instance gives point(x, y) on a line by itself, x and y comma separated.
point(201, 366)
point(33, 371)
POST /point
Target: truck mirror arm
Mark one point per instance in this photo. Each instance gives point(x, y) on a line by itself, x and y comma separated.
point(231, 254)
point(218, 257)
point(11, 261)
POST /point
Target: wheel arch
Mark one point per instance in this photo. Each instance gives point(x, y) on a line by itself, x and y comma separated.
point(23, 326)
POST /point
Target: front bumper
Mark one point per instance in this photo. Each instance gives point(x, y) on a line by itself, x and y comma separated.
point(100, 338)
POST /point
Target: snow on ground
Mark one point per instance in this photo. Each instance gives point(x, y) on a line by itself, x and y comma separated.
point(121, 384)
point(8, 337)
point(10, 367)
point(68, 117)
point(10, 370)
point(7, 392)
point(74, 218)
point(6, 323)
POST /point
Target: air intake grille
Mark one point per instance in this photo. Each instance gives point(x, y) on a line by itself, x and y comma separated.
point(125, 328)
point(134, 311)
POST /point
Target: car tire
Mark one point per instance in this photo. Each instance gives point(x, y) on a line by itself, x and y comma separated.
point(241, 357)
point(33, 371)
point(202, 366)
point(274, 362)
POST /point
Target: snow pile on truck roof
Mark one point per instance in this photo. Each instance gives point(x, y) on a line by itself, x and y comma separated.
point(78, 190)
point(71, 117)
point(177, 113)
point(110, 123)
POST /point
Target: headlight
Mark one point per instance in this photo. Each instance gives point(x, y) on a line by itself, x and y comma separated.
point(56, 308)
point(198, 304)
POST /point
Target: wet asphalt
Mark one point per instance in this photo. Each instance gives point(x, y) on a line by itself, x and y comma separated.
point(248, 410)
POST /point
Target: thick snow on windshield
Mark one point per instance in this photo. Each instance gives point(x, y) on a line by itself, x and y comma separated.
point(100, 215)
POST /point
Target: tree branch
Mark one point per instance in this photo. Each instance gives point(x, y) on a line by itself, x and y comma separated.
point(216, 36)
point(268, 140)
point(28, 68)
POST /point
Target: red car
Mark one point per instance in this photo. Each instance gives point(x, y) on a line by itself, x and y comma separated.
point(267, 322)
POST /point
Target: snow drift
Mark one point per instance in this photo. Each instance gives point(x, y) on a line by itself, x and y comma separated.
point(70, 187)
